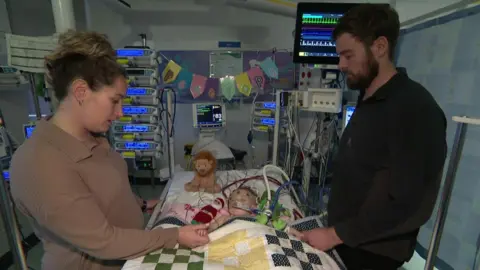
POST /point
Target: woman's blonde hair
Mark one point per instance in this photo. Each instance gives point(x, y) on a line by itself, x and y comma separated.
point(82, 55)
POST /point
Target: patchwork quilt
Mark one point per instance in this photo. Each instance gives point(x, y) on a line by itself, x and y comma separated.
point(241, 244)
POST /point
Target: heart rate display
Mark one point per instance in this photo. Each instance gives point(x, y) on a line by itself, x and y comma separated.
point(209, 115)
point(319, 19)
point(316, 35)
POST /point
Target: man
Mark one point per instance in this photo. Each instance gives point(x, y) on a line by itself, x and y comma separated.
point(389, 165)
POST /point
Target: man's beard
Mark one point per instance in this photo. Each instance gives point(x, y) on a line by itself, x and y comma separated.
point(363, 81)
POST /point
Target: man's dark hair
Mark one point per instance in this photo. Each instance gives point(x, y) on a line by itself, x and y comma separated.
point(367, 22)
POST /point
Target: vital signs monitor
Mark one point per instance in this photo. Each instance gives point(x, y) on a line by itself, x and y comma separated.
point(314, 27)
point(209, 115)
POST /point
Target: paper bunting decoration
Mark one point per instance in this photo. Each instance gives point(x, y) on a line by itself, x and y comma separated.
point(171, 72)
point(227, 84)
point(256, 77)
point(243, 84)
point(184, 80)
point(211, 89)
point(269, 67)
point(198, 85)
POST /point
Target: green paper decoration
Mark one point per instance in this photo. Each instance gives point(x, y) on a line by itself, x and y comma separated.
point(227, 84)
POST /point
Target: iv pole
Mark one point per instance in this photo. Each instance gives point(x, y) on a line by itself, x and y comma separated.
point(171, 149)
point(459, 141)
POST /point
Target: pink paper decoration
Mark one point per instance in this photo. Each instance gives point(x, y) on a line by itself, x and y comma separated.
point(256, 77)
point(197, 86)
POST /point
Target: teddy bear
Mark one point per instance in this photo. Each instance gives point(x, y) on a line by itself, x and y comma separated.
point(204, 178)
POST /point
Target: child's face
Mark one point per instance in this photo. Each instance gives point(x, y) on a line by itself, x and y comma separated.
point(240, 200)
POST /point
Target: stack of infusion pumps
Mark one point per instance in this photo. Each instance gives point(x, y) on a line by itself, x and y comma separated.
point(263, 116)
point(137, 135)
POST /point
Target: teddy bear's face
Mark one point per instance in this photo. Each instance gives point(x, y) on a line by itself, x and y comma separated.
point(203, 166)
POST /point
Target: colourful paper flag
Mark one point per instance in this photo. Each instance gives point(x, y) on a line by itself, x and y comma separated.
point(171, 72)
point(212, 89)
point(243, 84)
point(256, 77)
point(183, 80)
point(227, 84)
point(198, 85)
point(269, 68)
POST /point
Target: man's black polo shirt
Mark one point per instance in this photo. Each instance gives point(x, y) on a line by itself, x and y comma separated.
point(388, 169)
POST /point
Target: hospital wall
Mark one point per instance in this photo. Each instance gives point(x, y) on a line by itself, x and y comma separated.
point(443, 55)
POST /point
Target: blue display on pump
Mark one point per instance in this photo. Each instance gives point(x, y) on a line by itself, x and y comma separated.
point(135, 128)
point(138, 146)
point(6, 175)
point(137, 92)
point(128, 110)
point(130, 52)
point(269, 105)
point(268, 121)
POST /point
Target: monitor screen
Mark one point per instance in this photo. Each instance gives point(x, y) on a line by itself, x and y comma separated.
point(209, 115)
point(28, 130)
point(347, 114)
point(314, 27)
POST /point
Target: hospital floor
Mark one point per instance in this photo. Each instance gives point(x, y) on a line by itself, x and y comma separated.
point(35, 254)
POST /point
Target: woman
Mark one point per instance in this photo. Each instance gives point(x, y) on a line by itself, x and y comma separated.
point(71, 185)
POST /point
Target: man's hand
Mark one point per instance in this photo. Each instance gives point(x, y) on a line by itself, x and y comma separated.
point(193, 236)
point(322, 238)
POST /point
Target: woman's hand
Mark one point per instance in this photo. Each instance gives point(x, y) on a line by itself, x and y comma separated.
point(193, 236)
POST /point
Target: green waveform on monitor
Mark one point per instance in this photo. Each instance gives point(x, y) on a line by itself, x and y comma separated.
point(317, 20)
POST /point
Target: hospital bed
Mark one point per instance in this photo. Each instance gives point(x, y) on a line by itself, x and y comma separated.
point(280, 251)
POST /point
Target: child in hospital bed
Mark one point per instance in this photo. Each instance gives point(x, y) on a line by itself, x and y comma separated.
point(241, 203)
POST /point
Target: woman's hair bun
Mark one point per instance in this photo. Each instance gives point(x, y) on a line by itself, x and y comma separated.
point(90, 44)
